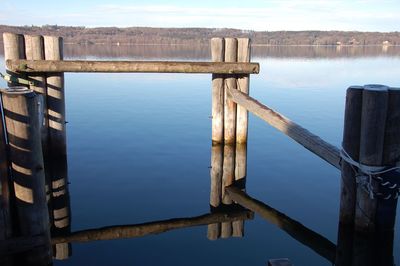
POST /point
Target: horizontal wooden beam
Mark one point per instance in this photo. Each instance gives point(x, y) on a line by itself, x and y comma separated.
point(131, 66)
point(313, 143)
point(307, 237)
point(139, 230)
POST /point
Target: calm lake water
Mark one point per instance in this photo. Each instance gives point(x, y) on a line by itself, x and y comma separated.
point(139, 148)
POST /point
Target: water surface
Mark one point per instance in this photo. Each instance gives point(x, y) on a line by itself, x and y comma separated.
point(139, 148)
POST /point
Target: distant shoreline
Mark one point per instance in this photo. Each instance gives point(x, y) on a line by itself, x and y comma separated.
point(201, 36)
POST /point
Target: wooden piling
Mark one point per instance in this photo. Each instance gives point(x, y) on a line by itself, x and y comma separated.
point(217, 113)
point(386, 209)
point(5, 211)
point(13, 49)
point(243, 86)
point(373, 120)
point(20, 109)
point(34, 50)
point(231, 48)
point(55, 98)
point(214, 230)
point(351, 144)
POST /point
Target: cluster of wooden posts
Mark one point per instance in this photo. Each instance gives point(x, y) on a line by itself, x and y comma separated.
point(33, 164)
point(33, 168)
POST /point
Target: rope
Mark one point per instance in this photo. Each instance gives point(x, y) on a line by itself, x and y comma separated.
point(366, 174)
point(10, 78)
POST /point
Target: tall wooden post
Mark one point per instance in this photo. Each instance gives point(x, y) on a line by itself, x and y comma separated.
point(20, 109)
point(231, 48)
point(53, 47)
point(55, 98)
point(243, 86)
point(351, 145)
point(373, 122)
point(217, 114)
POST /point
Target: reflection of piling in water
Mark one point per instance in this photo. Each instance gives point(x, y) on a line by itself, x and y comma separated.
point(60, 207)
point(20, 107)
point(226, 171)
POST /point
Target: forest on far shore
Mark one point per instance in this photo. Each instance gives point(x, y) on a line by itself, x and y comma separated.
point(202, 36)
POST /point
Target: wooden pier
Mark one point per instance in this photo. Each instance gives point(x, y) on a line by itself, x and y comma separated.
point(33, 161)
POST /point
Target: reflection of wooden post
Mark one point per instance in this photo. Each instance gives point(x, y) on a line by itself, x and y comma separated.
point(214, 230)
point(228, 177)
point(351, 144)
point(240, 181)
point(60, 208)
point(243, 86)
point(231, 46)
point(20, 110)
point(217, 114)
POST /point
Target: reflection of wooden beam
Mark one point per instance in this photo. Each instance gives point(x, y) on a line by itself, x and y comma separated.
point(316, 242)
point(138, 230)
point(313, 143)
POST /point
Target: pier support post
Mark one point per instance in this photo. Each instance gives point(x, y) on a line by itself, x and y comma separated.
point(243, 86)
point(231, 48)
point(20, 110)
point(351, 144)
point(217, 113)
point(370, 179)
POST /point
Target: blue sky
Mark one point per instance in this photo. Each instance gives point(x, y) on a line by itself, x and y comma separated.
point(361, 15)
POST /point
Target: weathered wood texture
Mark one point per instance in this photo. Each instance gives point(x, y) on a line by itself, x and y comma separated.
point(131, 66)
point(231, 46)
point(34, 50)
point(5, 214)
point(139, 230)
point(20, 109)
point(301, 135)
point(13, 50)
point(55, 98)
point(242, 85)
point(217, 112)
point(351, 144)
point(373, 119)
point(316, 242)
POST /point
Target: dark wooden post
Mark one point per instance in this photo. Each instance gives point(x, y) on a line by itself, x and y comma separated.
point(351, 145)
point(20, 110)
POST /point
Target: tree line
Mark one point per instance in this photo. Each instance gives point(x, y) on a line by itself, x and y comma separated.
point(202, 36)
